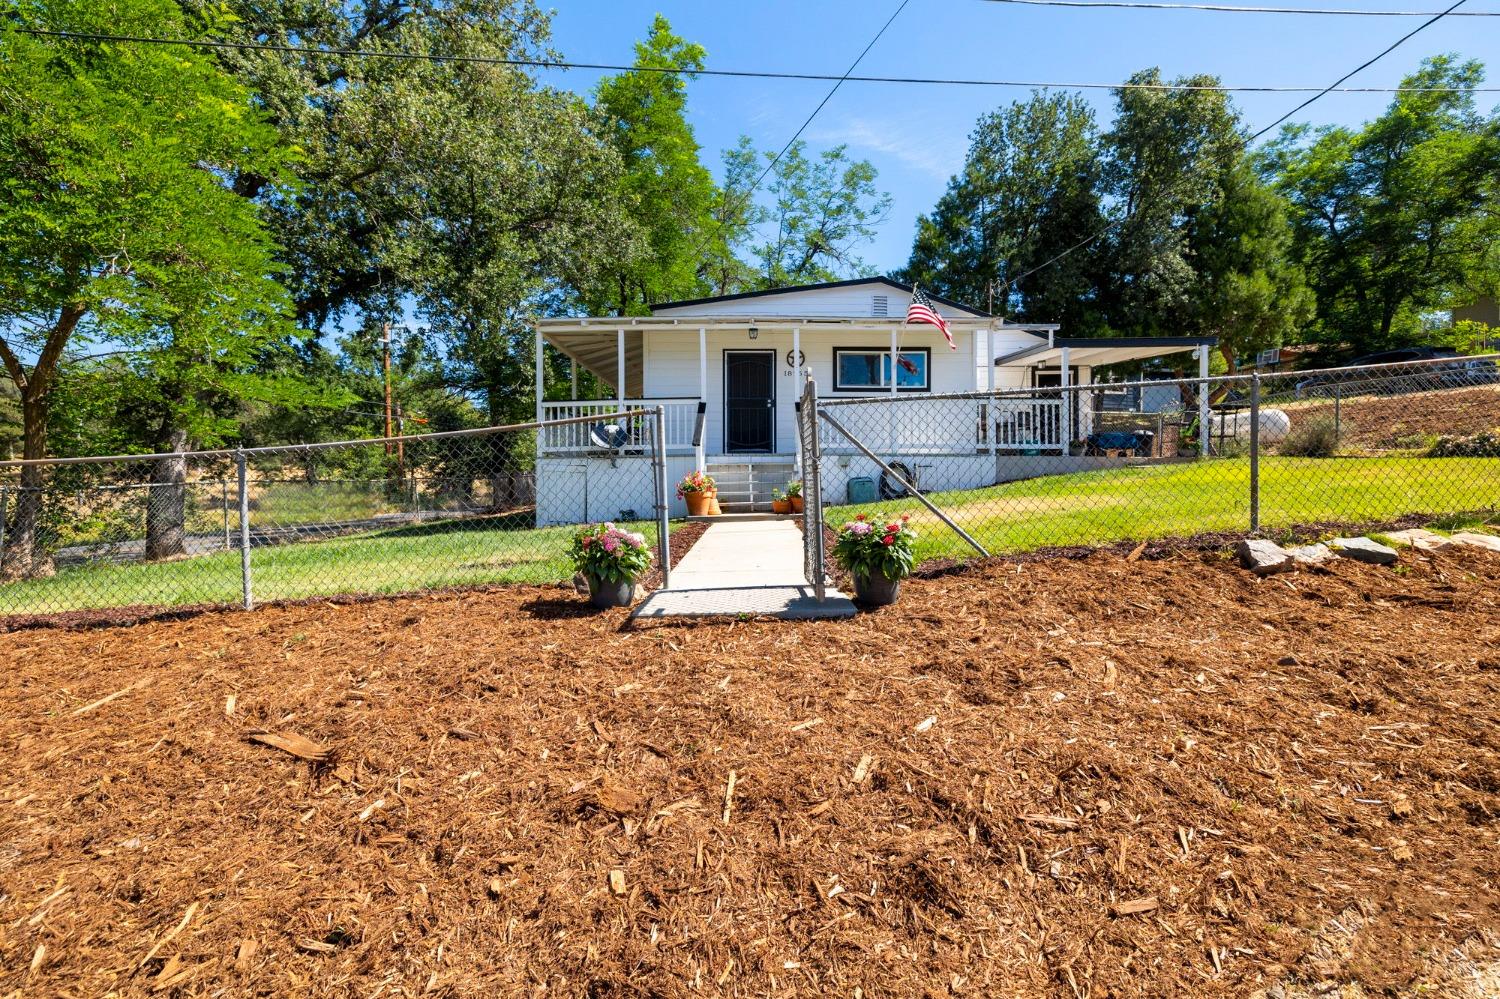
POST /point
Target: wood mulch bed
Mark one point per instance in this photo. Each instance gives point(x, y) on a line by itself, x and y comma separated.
point(1073, 777)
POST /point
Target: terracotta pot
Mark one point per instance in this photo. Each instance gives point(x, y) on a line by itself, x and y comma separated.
point(604, 595)
point(875, 590)
point(781, 506)
point(713, 503)
point(796, 502)
point(697, 503)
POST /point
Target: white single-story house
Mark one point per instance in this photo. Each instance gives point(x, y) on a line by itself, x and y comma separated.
point(742, 361)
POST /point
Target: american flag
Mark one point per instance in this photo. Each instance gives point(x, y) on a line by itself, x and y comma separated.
point(921, 311)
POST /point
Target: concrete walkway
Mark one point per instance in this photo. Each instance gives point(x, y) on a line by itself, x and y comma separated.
point(744, 567)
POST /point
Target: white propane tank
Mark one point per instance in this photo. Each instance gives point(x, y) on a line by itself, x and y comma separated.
point(1274, 425)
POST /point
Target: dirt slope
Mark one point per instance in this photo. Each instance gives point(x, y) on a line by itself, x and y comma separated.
point(1404, 421)
point(982, 791)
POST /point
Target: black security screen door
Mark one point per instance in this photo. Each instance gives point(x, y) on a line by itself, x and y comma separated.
point(749, 400)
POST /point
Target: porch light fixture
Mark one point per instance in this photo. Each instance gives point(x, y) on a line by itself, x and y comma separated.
point(754, 332)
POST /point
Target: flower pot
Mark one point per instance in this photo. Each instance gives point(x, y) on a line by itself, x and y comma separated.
point(875, 590)
point(713, 503)
point(781, 506)
point(697, 503)
point(796, 502)
point(604, 594)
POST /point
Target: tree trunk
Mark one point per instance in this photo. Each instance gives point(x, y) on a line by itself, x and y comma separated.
point(166, 504)
point(23, 558)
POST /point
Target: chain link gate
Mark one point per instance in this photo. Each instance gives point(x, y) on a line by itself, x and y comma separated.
point(812, 490)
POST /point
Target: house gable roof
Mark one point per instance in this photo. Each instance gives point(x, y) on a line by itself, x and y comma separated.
point(813, 291)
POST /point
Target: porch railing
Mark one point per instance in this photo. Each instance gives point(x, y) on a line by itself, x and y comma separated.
point(954, 424)
point(633, 434)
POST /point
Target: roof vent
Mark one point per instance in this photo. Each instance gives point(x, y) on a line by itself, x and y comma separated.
point(879, 305)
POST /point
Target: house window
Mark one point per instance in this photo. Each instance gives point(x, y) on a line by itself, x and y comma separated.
point(867, 369)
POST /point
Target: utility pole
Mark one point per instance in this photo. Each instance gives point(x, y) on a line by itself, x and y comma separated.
point(387, 339)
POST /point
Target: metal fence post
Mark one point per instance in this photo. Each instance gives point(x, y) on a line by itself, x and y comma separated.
point(248, 599)
point(1255, 452)
point(4, 499)
point(1338, 399)
point(659, 474)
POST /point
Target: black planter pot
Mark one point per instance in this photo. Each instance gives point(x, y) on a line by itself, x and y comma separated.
point(605, 595)
point(875, 590)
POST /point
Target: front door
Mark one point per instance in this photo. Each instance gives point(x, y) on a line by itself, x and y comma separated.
point(749, 401)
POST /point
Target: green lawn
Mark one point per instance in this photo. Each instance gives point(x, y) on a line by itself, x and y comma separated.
point(1157, 501)
point(451, 553)
point(1086, 508)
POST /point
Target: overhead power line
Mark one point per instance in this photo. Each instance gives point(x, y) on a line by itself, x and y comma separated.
point(1252, 138)
point(1364, 65)
point(1234, 9)
point(837, 79)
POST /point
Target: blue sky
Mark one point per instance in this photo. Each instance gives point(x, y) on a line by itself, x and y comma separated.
point(917, 135)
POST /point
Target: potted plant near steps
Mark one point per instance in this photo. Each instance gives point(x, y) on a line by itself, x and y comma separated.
point(699, 491)
point(794, 495)
point(878, 556)
point(612, 559)
point(779, 502)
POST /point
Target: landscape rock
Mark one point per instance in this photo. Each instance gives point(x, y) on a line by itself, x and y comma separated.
point(1418, 537)
point(1476, 540)
point(1263, 557)
point(1363, 550)
point(1314, 554)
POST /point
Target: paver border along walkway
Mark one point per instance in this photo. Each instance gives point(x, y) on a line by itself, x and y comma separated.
point(744, 567)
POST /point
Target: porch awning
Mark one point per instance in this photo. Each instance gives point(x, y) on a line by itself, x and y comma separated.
point(597, 351)
point(1094, 351)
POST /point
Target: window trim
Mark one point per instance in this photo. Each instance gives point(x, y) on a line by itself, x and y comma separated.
point(926, 353)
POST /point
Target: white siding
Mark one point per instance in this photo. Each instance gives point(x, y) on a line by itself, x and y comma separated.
point(847, 302)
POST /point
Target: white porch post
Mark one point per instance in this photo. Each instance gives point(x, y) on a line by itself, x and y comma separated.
point(620, 368)
point(1065, 417)
point(702, 393)
point(797, 390)
point(541, 375)
point(1203, 425)
point(895, 356)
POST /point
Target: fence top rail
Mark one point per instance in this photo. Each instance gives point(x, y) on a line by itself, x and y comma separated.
point(1053, 392)
point(323, 446)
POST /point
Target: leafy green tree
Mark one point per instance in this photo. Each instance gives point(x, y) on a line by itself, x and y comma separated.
point(668, 192)
point(118, 226)
point(1394, 218)
point(1248, 290)
point(1166, 156)
point(463, 192)
point(822, 209)
point(1029, 189)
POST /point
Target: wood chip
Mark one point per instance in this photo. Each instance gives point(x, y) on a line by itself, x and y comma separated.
point(315, 946)
point(289, 742)
point(617, 881)
point(245, 954)
point(187, 917)
point(729, 795)
point(926, 723)
point(1050, 821)
point(862, 769)
point(371, 809)
point(229, 703)
point(616, 797)
point(117, 694)
point(464, 734)
point(1135, 906)
point(804, 726)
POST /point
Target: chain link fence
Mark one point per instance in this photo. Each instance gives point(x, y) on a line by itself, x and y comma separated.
point(1288, 454)
point(241, 527)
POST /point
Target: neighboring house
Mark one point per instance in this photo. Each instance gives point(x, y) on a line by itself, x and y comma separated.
point(743, 360)
point(1482, 310)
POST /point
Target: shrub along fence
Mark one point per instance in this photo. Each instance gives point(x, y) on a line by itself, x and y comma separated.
point(1286, 453)
point(240, 527)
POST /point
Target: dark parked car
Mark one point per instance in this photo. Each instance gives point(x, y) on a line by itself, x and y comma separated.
point(1420, 369)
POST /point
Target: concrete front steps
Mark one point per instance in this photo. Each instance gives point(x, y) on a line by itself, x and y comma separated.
point(745, 486)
